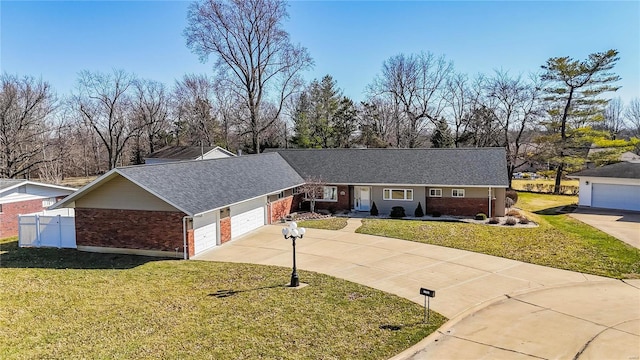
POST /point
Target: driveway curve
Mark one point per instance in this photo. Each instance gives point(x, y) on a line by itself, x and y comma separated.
point(499, 308)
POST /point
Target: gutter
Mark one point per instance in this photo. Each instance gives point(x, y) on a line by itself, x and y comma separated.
point(184, 236)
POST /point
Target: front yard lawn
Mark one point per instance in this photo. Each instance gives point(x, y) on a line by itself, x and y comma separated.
point(64, 304)
point(333, 223)
point(560, 241)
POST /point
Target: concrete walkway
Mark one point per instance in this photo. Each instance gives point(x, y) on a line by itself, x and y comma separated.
point(623, 225)
point(499, 308)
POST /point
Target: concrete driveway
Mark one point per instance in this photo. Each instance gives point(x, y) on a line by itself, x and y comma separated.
point(623, 225)
point(499, 308)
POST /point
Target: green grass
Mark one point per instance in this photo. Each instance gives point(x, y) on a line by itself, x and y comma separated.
point(559, 241)
point(64, 304)
point(326, 224)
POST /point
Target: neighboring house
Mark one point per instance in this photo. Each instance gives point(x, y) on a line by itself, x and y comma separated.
point(625, 156)
point(615, 186)
point(24, 197)
point(184, 153)
point(183, 208)
point(448, 181)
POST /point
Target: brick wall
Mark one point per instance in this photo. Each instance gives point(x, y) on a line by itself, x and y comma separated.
point(10, 212)
point(343, 202)
point(459, 206)
point(191, 240)
point(130, 229)
point(225, 229)
point(279, 209)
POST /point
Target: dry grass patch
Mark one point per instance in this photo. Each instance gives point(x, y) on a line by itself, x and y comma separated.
point(326, 224)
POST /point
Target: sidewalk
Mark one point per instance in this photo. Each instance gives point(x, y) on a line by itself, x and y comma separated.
point(494, 310)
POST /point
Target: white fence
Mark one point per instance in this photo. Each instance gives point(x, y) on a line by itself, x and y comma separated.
point(55, 228)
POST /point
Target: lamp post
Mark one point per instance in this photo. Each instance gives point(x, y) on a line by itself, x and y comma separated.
point(293, 232)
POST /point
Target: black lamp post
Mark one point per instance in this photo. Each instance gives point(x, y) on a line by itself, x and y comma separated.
point(293, 232)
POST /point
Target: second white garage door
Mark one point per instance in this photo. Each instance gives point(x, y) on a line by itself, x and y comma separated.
point(622, 197)
point(205, 231)
point(247, 216)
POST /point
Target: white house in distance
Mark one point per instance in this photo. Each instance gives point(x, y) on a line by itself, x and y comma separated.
point(24, 197)
point(186, 153)
point(615, 186)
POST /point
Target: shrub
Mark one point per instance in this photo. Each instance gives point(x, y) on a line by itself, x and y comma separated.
point(397, 212)
point(512, 194)
point(481, 216)
point(508, 202)
point(374, 209)
point(436, 214)
point(524, 220)
point(540, 187)
point(494, 220)
point(513, 212)
point(419, 212)
point(528, 186)
point(511, 221)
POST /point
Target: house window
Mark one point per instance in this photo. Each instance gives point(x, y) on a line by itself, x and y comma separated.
point(435, 192)
point(296, 190)
point(281, 195)
point(330, 193)
point(459, 193)
point(48, 202)
point(397, 194)
point(0, 208)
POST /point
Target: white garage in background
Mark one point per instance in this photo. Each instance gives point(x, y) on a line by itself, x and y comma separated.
point(615, 186)
point(247, 216)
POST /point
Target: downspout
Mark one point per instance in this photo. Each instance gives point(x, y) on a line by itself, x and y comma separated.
point(184, 236)
point(490, 201)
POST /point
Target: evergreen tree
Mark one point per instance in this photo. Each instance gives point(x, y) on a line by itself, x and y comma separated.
point(575, 104)
point(442, 136)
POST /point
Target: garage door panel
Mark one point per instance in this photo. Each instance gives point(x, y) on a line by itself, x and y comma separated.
point(609, 196)
point(247, 217)
point(204, 238)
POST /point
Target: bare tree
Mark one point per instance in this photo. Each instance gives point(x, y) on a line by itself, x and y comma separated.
point(195, 114)
point(25, 106)
point(632, 115)
point(255, 56)
point(417, 84)
point(516, 108)
point(105, 105)
point(313, 189)
point(152, 111)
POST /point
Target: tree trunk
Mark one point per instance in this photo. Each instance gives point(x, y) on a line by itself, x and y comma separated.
point(556, 188)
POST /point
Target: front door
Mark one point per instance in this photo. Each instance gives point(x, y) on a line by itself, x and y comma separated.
point(363, 198)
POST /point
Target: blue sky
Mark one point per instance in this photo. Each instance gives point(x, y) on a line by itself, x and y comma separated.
point(347, 39)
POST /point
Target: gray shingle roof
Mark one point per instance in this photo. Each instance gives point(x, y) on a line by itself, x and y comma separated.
point(626, 170)
point(180, 152)
point(198, 186)
point(6, 183)
point(477, 166)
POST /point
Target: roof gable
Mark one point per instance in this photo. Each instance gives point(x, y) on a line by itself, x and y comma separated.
point(457, 167)
point(187, 152)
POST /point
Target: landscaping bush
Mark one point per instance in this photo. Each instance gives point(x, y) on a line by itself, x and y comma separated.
point(513, 212)
point(512, 194)
point(494, 220)
point(419, 212)
point(511, 221)
point(436, 214)
point(374, 209)
point(508, 202)
point(481, 216)
point(397, 212)
point(527, 187)
point(524, 220)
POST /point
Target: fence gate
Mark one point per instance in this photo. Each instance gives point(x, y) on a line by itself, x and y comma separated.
point(47, 229)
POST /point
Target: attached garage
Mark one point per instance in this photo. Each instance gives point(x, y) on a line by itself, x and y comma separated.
point(205, 231)
point(613, 196)
point(615, 186)
point(247, 216)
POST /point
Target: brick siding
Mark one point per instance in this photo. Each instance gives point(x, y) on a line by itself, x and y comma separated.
point(130, 229)
point(278, 209)
point(191, 243)
point(459, 206)
point(10, 212)
point(225, 229)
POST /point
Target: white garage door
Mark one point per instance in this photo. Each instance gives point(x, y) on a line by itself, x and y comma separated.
point(623, 197)
point(205, 232)
point(247, 216)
